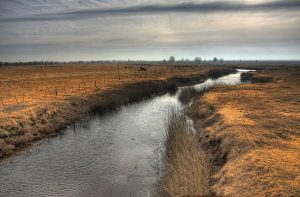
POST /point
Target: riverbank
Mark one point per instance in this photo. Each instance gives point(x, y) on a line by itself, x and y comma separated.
point(251, 133)
point(21, 125)
point(185, 166)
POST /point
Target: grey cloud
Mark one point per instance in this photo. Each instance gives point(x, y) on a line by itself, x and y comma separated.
point(208, 7)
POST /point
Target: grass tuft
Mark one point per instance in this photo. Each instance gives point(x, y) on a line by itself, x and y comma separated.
point(186, 166)
point(187, 93)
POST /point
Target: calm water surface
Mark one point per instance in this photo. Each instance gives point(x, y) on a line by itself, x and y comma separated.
point(110, 155)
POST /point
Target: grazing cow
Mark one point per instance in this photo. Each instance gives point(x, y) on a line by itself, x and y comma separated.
point(142, 69)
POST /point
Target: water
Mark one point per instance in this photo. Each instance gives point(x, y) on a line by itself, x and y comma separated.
point(111, 155)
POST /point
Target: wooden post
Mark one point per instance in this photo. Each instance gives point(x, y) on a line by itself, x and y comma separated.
point(56, 91)
point(119, 72)
point(2, 102)
point(45, 94)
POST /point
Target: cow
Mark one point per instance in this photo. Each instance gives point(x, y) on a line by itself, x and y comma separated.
point(142, 69)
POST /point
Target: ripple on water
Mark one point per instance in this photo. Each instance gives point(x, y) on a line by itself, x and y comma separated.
point(110, 156)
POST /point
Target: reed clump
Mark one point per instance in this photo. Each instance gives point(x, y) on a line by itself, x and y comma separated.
point(187, 93)
point(219, 72)
point(186, 166)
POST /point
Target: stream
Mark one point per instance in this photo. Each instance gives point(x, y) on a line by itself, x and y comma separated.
point(108, 155)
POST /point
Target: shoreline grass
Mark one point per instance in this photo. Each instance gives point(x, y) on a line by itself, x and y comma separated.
point(186, 167)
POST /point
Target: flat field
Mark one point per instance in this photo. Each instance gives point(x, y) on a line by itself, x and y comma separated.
point(23, 86)
point(37, 101)
point(253, 134)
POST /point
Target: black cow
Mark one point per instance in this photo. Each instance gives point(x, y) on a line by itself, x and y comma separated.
point(142, 69)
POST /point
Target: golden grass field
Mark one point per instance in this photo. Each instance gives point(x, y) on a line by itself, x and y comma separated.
point(38, 101)
point(253, 134)
point(24, 87)
point(33, 85)
point(248, 138)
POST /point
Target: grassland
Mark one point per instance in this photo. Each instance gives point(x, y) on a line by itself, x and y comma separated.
point(252, 134)
point(38, 101)
point(248, 136)
point(30, 85)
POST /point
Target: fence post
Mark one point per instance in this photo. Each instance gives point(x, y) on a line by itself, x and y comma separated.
point(46, 95)
point(2, 102)
point(119, 72)
point(84, 86)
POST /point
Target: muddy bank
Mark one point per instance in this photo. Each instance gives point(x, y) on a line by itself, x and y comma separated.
point(17, 134)
point(251, 133)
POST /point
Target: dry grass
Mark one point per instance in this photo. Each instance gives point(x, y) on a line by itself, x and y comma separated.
point(186, 166)
point(254, 77)
point(253, 132)
point(187, 93)
point(35, 85)
point(38, 101)
point(219, 72)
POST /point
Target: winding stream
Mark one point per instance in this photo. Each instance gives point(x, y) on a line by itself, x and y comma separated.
point(110, 155)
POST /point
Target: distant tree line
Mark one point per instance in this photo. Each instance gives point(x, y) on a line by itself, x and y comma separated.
point(52, 62)
point(172, 59)
point(68, 62)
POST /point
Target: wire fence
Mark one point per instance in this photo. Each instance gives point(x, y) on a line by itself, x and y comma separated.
point(82, 85)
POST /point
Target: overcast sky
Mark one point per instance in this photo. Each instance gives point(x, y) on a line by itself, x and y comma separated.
point(66, 30)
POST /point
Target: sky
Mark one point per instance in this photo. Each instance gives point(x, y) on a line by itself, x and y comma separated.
point(73, 30)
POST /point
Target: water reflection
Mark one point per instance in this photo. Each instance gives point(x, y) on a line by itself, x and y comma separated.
point(108, 155)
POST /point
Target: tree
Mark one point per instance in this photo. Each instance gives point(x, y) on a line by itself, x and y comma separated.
point(198, 59)
point(215, 59)
point(172, 59)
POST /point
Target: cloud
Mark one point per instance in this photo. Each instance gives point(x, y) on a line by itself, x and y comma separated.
point(121, 29)
point(208, 7)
